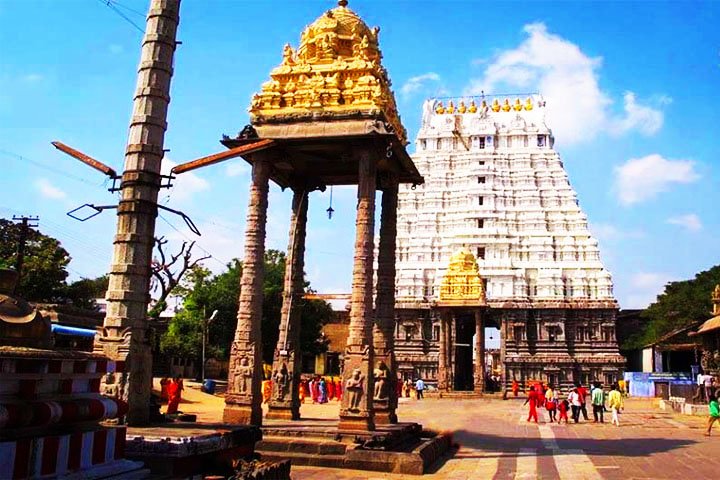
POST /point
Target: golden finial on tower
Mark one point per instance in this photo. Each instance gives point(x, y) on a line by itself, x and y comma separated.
point(518, 106)
point(528, 104)
point(506, 105)
point(716, 300)
point(462, 108)
point(473, 107)
point(496, 105)
point(451, 107)
point(439, 108)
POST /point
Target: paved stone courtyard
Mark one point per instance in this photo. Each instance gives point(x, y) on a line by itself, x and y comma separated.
point(496, 442)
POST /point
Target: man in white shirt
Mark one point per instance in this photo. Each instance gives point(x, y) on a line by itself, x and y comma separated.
point(699, 388)
point(419, 387)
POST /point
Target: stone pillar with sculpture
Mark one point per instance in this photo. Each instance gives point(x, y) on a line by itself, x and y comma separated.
point(479, 367)
point(385, 391)
point(443, 358)
point(285, 400)
point(243, 400)
point(356, 408)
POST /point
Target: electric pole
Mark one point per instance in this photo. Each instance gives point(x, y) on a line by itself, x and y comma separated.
point(26, 224)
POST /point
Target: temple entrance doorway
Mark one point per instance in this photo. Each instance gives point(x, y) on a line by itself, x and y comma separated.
point(464, 341)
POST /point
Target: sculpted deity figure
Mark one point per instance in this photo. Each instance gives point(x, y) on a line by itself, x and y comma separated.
point(327, 47)
point(243, 374)
point(354, 388)
point(281, 381)
point(381, 377)
point(288, 55)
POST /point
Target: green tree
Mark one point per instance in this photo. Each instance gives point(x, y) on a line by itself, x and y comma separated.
point(83, 293)
point(44, 269)
point(681, 304)
point(204, 294)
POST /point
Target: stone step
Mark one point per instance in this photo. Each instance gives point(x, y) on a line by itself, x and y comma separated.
point(305, 445)
point(298, 458)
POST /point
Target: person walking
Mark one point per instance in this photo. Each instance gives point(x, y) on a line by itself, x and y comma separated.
point(551, 399)
point(582, 391)
point(419, 388)
point(174, 390)
point(563, 407)
point(615, 402)
point(322, 391)
point(714, 413)
point(532, 400)
point(515, 388)
point(597, 398)
point(708, 381)
point(575, 403)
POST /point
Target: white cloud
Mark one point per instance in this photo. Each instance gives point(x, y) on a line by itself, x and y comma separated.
point(637, 117)
point(48, 190)
point(643, 178)
point(607, 232)
point(577, 108)
point(644, 288)
point(32, 77)
point(186, 184)
point(238, 167)
point(690, 221)
point(418, 83)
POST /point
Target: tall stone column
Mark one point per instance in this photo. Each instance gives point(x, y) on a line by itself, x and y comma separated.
point(443, 351)
point(243, 400)
point(479, 367)
point(285, 401)
point(356, 409)
point(385, 392)
point(125, 336)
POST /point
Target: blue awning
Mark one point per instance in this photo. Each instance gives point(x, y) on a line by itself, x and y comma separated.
point(78, 332)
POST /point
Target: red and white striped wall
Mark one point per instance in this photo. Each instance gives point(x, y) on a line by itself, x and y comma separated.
point(50, 455)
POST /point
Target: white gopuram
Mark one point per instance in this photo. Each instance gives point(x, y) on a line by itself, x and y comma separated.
point(494, 186)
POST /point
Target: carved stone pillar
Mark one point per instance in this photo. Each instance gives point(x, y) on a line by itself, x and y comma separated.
point(243, 399)
point(356, 409)
point(479, 367)
point(443, 352)
point(125, 335)
point(385, 392)
point(285, 401)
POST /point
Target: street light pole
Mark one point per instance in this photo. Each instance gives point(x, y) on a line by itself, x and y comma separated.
point(206, 324)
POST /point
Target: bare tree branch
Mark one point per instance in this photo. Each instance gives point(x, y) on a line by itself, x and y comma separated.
point(166, 275)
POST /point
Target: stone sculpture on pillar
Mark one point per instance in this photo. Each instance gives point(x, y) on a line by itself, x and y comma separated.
point(356, 409)
point(287, 350)
point(243, 401)
point(384, 327)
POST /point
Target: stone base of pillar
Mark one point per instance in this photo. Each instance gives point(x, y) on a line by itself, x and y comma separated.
point(356, 422)
point(242, 414)
point(384, 415)
point(283, 412)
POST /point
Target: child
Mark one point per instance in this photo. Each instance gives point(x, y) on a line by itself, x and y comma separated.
point(563, 407)
point(714, 411)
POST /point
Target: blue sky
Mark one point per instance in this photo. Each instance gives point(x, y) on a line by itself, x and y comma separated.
point(631, 91)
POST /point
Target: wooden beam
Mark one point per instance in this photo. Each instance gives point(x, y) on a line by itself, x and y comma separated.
point(222, 156)
point(99, 166)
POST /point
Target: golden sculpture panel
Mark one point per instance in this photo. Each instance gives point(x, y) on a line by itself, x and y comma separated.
point(336, 71)
point(462, 282)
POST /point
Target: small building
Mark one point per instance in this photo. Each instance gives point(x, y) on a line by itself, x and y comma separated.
point(708, 334)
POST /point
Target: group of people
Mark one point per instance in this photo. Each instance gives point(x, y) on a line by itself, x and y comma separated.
point(707, 387)
point(408, 388)
point(549, 398)
point(318, 388)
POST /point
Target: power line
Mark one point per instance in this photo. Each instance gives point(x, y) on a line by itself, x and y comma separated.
point(129, 9)
point(112, 7)
point(224, 264)
point(56, 171)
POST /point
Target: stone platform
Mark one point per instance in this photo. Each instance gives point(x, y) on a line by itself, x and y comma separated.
point(679, 405)
point(182, 449)
point(400, 448)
